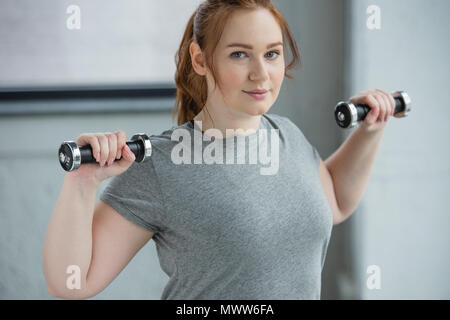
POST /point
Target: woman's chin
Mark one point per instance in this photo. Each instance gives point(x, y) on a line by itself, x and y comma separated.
point(260, 109)
point(255, 109)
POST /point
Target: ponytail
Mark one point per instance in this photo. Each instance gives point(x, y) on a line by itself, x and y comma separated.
point(191, 87)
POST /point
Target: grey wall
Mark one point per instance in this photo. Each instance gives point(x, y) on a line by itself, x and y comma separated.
point(401, 224)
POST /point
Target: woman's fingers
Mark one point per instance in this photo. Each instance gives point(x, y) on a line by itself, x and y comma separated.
point(112, 143)
point(382, 114)
point(104, 148)
point(389, 103)
point(375, 106)
point(107, 146)
point(121, 142)
point(392, 102)
point(92, 140)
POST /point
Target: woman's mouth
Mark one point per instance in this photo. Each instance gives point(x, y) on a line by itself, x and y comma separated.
point(257, 96)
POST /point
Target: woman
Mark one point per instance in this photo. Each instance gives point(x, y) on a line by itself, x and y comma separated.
point(222, 231)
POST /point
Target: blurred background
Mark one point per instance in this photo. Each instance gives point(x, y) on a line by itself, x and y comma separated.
point(115, 70)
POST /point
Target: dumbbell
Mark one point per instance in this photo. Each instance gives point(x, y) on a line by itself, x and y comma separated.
point(348, 114)
point(71, 156)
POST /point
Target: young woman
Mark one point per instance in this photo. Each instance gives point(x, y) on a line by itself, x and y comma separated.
point(222, 231)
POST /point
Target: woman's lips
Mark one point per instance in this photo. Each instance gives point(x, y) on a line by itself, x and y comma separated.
point(257, 96)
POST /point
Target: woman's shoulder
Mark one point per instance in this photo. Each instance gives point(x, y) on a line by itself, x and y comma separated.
point(279, 121)
point(285, 125)
point(275, 117)
point(164, 140)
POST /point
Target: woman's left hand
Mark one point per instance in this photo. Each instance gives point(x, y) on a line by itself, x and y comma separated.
point(382, 106)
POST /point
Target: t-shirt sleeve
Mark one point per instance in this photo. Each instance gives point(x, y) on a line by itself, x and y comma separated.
point(316, 156)
point(136, 195)
point(312, 152)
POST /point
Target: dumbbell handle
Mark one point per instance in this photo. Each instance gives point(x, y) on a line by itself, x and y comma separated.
point(71, 156)
point(88, 157)
point(348, 114)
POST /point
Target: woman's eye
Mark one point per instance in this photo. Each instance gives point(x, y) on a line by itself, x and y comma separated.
point(241, 52)
point(233, 54)
point(276, 52)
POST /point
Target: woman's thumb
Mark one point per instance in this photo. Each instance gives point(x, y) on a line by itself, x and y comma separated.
point(372, 116)
point(127, 154)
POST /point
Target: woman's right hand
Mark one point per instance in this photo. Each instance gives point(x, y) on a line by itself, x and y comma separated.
point(106, 147)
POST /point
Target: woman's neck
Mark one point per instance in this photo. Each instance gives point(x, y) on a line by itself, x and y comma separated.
point(223, 121)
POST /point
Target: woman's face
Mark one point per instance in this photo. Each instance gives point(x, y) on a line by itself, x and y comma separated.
point(256, 66)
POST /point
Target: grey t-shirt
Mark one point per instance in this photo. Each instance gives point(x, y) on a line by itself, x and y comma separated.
point(226, 231)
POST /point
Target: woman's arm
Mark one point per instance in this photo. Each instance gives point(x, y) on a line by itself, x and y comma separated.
point(350, 166)
point(92, 236)
point(68, 240)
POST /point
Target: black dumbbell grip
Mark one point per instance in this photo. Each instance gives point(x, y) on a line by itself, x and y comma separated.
point(363, 109)
point(348, 114)
point(71, 156)
point(88, 157)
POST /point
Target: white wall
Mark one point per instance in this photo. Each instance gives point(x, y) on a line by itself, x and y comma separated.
point(118, 42)
point(403, 222)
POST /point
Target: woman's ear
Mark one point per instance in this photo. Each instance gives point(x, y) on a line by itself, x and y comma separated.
point(198, 61)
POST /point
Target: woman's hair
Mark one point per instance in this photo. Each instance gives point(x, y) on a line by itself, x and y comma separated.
point(205, 27)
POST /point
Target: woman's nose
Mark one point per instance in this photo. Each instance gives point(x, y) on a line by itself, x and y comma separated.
point(258, 71)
